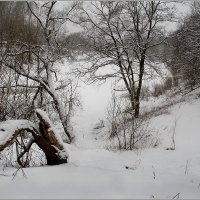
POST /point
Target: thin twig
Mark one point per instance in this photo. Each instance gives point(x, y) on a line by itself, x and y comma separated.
point(186, 167)
point(154, 174)
point(15, 173)
point(177, 195)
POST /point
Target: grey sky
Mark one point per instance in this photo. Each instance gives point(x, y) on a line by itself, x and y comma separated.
point(182, 9)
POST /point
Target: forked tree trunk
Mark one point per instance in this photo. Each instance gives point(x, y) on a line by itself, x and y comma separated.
point(44, 136)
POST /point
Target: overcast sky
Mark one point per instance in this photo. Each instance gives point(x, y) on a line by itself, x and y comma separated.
point(182, 9)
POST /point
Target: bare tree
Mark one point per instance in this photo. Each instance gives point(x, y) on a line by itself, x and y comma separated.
point(41, 67)
point(121, 36)
point(184, 59)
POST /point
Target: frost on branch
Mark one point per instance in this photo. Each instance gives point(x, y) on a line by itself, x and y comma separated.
point(45, 136)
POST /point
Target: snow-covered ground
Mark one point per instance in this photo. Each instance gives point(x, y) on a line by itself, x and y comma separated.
point(94, 172)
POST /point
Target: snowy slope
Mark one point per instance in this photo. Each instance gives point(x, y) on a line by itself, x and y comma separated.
point(99, 173)
point(95, 98)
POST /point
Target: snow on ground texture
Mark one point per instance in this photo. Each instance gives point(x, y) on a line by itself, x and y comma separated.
point(99, 173)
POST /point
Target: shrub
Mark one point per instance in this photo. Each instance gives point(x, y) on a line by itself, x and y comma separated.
point(160, 89)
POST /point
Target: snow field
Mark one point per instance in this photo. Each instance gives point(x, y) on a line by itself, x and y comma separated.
point(99, 173)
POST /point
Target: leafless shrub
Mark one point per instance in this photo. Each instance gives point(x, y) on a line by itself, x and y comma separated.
point(145, 93)
point(161, 88)
point(125, 131)
point(158, 90)
point(168, 83)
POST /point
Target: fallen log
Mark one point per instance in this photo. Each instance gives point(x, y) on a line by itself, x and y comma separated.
point(44, 135)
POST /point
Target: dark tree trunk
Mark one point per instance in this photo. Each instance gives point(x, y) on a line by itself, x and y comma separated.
point(137, 97)
point(137, 108)
point(63, 121)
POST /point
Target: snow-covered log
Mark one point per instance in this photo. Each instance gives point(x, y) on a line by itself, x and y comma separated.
point(9, 130)
point(44, 136)
point(51, 139)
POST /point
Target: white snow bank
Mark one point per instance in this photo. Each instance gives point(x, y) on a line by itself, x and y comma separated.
point(99, 173)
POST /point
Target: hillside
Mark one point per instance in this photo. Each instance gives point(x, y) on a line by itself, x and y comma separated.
point(94, 172)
